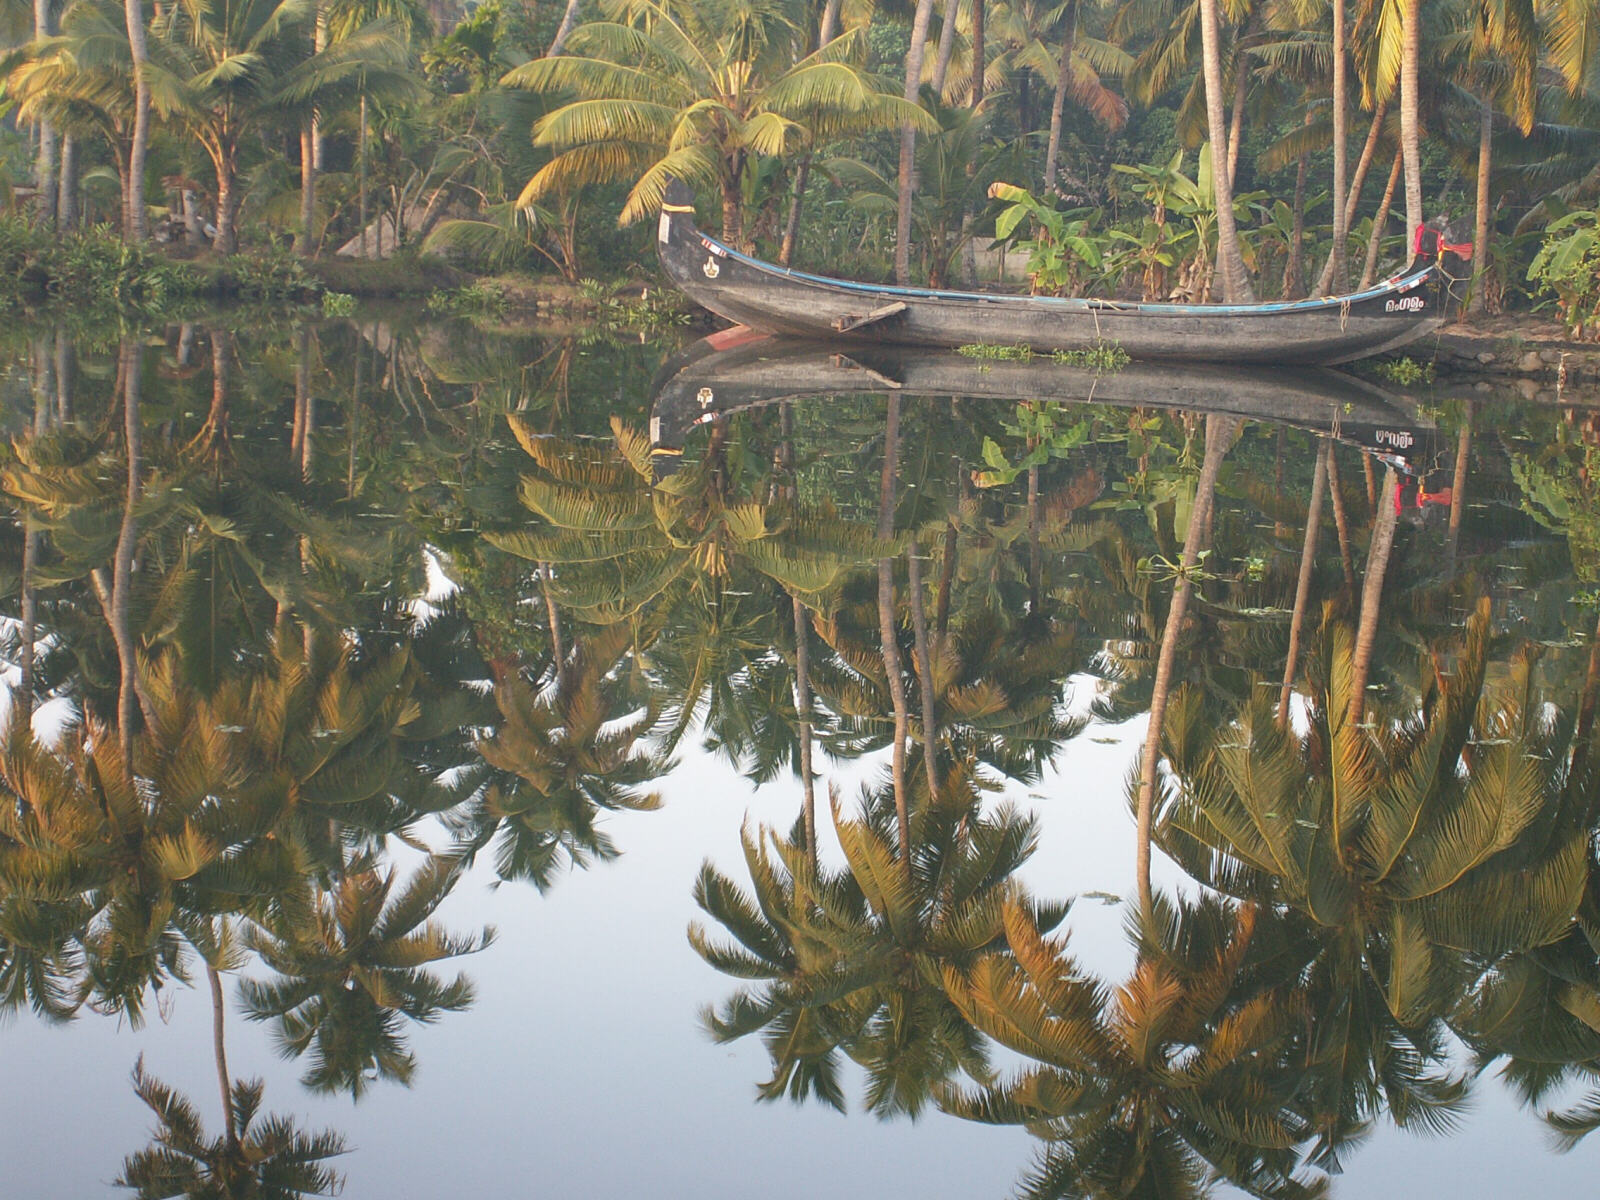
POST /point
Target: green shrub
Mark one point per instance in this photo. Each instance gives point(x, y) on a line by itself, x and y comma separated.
point(1568, 264)
point(338, 304)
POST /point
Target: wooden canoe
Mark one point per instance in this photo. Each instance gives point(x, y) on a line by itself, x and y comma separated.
point(739, 370)
point(775, 299)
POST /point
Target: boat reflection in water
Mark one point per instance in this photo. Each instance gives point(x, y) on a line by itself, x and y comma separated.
point(742, 369)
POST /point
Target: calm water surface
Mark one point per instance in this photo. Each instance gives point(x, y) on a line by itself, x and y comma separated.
point(440, 694)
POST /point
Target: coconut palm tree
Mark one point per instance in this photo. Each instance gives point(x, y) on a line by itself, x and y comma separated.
point(695, 90)
point(229, 73)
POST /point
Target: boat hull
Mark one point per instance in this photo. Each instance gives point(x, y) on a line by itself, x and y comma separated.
point(776, 300)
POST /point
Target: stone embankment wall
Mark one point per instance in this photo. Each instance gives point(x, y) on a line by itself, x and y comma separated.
point(1535, 354)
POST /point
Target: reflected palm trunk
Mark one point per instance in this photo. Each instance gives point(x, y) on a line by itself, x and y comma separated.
point(1458, 485)
point(220, 1052)
point(1371, 598)
point(63, 356)
point(129, 368)
point(1302, 591)
point(919, 630)
point(886, 627)
point(1219, 435)
point(802, 705)
point(1341, 524)
point(1035, 553)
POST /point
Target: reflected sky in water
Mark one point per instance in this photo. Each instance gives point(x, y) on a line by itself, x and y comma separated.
point(293, 484)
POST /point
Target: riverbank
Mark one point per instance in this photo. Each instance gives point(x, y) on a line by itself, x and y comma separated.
point(1526, 347)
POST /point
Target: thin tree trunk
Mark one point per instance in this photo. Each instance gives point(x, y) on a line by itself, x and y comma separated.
point(569, 21)
point(44, 163)
point(1369, 270)
point(122, 562)
point(558, 649)
point(1241, 92)
point(1480, 239)
point(1341, 145)
point(1410, 134)
point(217, 419)
point(919, 632)
point(1219, 435)
point(905, 180)
point(361, 174)
point(1458, 484)
point(1341, 524)
point(1035, 558)
point(319, 43)
point(980, 66)
point(1371, 599)
point(67, 192)
point(302, 393)
point(63, 350)
point(1295, 269)
point(802, 707)
point(1372, 485)
point(308, 191)
point(1302, 590)
point(888, 643)
point(134, 228)
point(1058, 106)
point(791, 227)
point(30, 623)
point(355, 427)
point(220, 1051)
point(947, 44)
point(1235, 283)
point(1358, 180)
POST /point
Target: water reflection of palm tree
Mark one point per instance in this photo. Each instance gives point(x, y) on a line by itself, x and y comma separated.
point(269, 1157)
point(850, 960)
point(351, 967)
point(1183, 1072)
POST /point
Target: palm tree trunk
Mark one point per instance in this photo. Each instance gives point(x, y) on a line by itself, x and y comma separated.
point(30, 623)
point(302, 393)
point(226, 240)
point(1295, 268)
point(308, 190)
point(67, 192)
point(1480, 237)
point(217, 436)
point(980, 65)
point(1375, 240)
point(1358, 180)
point(1372, 485)
point(44, 163)
point(1219, 435)
point(1372, 598)
point(1058, 106)
point(802, 707)
point(134, 228)
point(1410, 143)
point(219, 1050)
point(888, 642)
point(361, 175)
point(947, 44)
point(1341, 146)
point(1035, 557)
point(1341, 523)
point(319, 43)
point(919, 632)
point(791, 227)
point(569, 21)
point(1235, 283)
point(905, 181)
point(1302, 590)
point(122, 562)
point(1241, 92)
point(732, 210)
